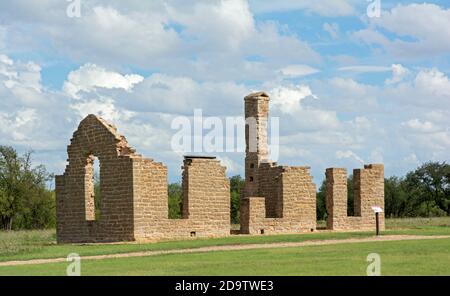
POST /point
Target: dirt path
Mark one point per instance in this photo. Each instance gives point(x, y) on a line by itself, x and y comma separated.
point(233, 248)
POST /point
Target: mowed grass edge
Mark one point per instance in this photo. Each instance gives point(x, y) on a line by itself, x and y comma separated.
point(414, 257)
point(41, 244)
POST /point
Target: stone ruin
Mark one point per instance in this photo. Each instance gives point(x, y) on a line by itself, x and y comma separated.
point(134, 194)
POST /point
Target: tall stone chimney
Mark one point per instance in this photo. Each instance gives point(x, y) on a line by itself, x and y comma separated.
point(256, 152)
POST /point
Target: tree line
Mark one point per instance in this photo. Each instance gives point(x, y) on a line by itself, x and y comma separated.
point(423, 192)
point(27, 202)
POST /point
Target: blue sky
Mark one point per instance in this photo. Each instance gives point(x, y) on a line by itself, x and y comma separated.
point(348, 89)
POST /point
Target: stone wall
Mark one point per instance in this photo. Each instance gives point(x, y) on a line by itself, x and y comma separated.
point(206, 201)
point(74, 190)
point(368, 184)
point(134, 199)
point(291, 192)
point(276, 199)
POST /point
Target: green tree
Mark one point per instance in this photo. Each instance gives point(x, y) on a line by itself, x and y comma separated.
point(321, 211)
point(350, 197)
point(396, 202)
point(236, 184)
point(175, 200)
point(428, 187)
point(23, 191)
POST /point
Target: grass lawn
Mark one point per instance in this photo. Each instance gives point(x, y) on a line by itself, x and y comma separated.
point(24, 245)
point(426, 257)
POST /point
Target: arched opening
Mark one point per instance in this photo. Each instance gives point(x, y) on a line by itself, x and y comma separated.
point(92, 189)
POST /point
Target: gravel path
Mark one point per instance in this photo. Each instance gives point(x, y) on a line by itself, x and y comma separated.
point(233, 248)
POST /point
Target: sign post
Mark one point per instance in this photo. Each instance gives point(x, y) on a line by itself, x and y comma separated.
point(377, 211)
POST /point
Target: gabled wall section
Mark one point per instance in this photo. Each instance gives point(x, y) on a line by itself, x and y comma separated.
point(134, 198)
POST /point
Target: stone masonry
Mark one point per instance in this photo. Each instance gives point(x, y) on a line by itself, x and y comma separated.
point(368, 184)
point(133, 202)
point(275, 199)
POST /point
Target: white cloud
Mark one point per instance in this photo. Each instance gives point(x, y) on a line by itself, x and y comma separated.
point(433, 82)
point(18, 124)
point(179, 94)
point(90, 76)
point(298, 70)
point(411, 159)
point(325, 8)
point(416, 125)
point(103, 107)
point(398, 74)
point(349, 154)
point(6, 60)
point(287, 99)
point(365, 68)
point(425, 27)
point(208, 54)
point(224, 24)
point(200, 40)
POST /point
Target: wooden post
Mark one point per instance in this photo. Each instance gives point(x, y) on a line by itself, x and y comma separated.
point(377, 218)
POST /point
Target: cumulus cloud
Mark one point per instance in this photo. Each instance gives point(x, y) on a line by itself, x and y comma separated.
point(433, 82)
point(288, 99)
point(416, 125)
point(90, 76)
point(398, 73)
point(198, 40)
point(224, 24)
point(425, 24)
point(209, 55)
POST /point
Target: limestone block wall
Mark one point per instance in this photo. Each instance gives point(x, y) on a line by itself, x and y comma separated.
point(285, 195)
point(271, 187)
point(134, 199)
point(74, 189)
point(368, 192)
point(150, 198)
point(206, 200)
point(296, 196)
point(257, 151)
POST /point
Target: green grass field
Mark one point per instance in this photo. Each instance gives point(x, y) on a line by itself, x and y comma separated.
point(430, 257)
point(399, 258)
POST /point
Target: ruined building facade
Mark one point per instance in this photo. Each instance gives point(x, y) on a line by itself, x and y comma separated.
point(276, 199)
point(134, 195)
point(282, 199)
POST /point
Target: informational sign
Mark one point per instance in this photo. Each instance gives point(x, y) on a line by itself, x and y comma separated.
point(377, 209)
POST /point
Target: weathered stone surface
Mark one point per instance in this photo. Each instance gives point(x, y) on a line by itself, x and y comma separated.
point(275, 199)
point(134, 199)
point(368, 185)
